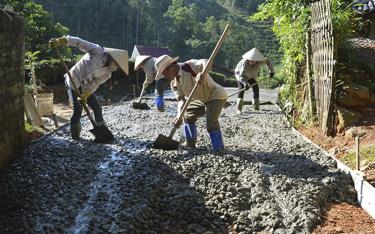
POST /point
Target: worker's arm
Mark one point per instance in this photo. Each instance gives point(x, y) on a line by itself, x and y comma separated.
point(180, 98)
point(270, 67)
point(150, 77)
point(83, 45)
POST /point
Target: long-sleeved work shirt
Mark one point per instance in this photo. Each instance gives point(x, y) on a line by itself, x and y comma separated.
point(150, 71)
point(91, 70)
point(183, 84)
point(245, 71)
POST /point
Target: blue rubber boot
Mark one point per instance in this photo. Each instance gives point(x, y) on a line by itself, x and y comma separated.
point(191, 133)
point(217, 141)
point(159, 102)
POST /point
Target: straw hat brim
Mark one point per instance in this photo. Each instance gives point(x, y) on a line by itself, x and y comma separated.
point(139, 60)
point(121, 57)
point(254, 55)
point(166, 64)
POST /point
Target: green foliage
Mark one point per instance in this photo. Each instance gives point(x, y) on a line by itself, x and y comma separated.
point(266, 82)
point(291, 22)
point(38, 26)
point(50, 72)
point(223, 80)
point(190, 28)
point(367, 157)
point(28, 127)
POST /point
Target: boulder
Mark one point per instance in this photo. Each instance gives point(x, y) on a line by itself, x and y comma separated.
point(346, 118)
point(354, 132)
point(345, 99)
point(357, 90)
point(354, 95)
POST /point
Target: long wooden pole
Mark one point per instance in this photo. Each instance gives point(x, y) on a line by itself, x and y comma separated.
point(204, 73)
point(358, 155)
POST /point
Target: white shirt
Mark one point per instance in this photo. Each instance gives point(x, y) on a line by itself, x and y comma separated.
point(91, 70)
point(208, 90)
point(245, 71)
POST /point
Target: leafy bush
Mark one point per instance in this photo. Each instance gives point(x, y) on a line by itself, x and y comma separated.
point(291, 22)
point(223, 80)
point(51, 72)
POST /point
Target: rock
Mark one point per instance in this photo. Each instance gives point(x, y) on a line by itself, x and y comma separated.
point(346, 118)
point(354, 132)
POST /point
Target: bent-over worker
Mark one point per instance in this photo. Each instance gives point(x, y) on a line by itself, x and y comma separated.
point(92, 70)
point(246, 73)
point(209, 97)
point(147, 63)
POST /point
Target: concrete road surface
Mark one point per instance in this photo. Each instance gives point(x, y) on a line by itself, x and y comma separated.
point(265, 95)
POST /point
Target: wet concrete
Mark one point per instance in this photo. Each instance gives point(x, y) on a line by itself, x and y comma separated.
point(268, 179)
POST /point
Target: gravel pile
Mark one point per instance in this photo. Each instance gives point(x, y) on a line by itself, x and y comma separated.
point(268, 179)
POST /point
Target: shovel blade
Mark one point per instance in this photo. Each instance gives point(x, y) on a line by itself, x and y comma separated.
point(140, 106)
point(166, 143)
point(102, 134)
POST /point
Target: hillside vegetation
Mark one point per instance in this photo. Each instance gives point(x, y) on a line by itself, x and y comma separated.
point(190, 28)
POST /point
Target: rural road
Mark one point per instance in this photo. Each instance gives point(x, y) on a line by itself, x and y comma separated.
point(268, 179)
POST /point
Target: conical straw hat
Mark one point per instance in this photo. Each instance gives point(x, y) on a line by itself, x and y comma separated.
point(139, 60)
point(121, 57)
point(254, 55)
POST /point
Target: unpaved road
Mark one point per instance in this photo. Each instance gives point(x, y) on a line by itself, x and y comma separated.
point(268, 179)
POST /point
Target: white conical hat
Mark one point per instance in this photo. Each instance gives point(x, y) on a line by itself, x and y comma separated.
point(254, 54)
point(139, 60)
point(121, 57)
point(162, 63)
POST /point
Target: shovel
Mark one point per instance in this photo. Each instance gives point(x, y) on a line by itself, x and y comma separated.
point(101, 133)
point(167, 142)
point(230, 95)
point(141, 106)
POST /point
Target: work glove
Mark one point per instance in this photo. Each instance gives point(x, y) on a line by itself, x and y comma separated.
point(272, 74)
point(55, 42)
point(84, 96)
point(246, 84)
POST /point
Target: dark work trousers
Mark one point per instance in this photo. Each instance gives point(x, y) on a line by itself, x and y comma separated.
point(161, 85)
point(92, 102)
point(254, 86)
point(212, 109)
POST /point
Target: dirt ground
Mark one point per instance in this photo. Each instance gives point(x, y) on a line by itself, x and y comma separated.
point(346, 218)
point(339, 218)
point(341, 144)
point(338, 215)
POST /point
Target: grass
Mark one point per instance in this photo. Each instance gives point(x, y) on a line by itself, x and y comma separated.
point(367, 156)
point(28, 127)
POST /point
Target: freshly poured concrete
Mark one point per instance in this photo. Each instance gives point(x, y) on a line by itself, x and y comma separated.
point(268, 179)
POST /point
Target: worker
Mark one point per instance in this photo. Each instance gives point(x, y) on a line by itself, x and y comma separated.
point(92, 70)
point(246, 73)
point(147, 63)
point(209, 97)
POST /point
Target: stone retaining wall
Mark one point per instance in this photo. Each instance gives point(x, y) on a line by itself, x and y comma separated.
point(12, 37)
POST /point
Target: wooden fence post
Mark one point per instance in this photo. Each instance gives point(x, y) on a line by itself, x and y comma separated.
point(358, 155)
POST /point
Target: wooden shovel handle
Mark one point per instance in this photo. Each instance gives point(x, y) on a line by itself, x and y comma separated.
point(239, 91)
point(140, 96)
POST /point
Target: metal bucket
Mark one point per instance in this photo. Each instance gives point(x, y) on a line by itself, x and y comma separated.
point(44, 103)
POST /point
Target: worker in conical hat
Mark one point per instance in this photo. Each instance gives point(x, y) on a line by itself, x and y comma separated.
point(92, 70)
point(246, 73)
point(147, 63)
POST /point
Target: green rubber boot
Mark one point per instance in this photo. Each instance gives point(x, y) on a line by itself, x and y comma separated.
point(256, 104)
point(239, 105)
